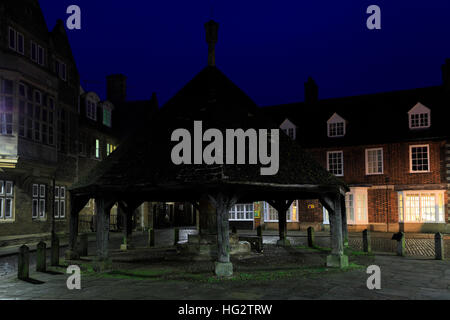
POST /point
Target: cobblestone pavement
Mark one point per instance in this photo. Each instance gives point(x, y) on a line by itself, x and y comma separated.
point(401, 278)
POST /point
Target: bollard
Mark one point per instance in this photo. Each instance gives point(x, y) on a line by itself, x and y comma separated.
point(439, 246)
point(151, 237)
point(311, 237)
point(401, 245)
point(84, 245)
point(41, 257)
point(366, 241)
point(259, 231)
point(54, 253)
point(23, 268)
point(176, 236)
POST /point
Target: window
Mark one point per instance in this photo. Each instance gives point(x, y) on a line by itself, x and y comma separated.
point(356, 206)
point(60, 202)
point(6, 106)
point(336, 126)
point(419, 158)
point(6, 200)
point(107, 117)
point(61, 69)
point(91, 110)
point(37, 53)
point(271, 214)
point(419, 117)
point(12, 39)
point(374, 161)
point(242, 212)
point(97, 148)
point(421, 206)
point(109, 149)
point(38, 205)
point(335, 163)
point(326, 216)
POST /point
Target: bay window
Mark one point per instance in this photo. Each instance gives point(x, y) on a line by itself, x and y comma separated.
point(421, 206)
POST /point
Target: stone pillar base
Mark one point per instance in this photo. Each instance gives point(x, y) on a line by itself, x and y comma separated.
point(72, 255)
point(337, 261)
point(224, 269)
point(283, 243)
point(102, 265)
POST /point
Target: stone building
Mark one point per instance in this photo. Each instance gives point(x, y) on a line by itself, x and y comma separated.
point(392, 149)
point(47, 135)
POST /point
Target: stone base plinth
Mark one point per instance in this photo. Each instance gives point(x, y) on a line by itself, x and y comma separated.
point(337, 261)
point(224, 269)
point(72, 255)
point(283, 243)
point(102, 265)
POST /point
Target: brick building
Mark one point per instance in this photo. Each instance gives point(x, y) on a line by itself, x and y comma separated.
point(392, 150)
point(50, 132)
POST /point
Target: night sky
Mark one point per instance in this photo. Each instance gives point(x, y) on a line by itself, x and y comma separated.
point(268, 48)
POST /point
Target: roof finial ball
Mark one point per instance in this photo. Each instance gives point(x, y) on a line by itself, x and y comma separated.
point(212, 31)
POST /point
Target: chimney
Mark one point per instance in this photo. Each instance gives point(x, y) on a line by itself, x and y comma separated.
point(212, 31)
point(311, 91)
point(446, 75)
point(116, 88)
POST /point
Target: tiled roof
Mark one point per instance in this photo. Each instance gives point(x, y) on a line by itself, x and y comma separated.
point(370, 119)
point(143, 161)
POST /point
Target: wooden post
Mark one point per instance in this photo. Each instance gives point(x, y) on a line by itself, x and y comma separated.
point(151, 237)
point(41, 257)
point(337, 259)
point(84, 245)
point(259, 231)
point(439, 246)
point(311, 237)
point(282, 206)
point(103, 208)
point(366, 241)
point(223, 204)
point(344, 222)
point(54, 253)
point(76, 204)
point(23, 268)
point(176, 236)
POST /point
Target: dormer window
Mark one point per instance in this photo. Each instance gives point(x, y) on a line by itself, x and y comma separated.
point(419, 117)
point(289, 129)
point(336, 126)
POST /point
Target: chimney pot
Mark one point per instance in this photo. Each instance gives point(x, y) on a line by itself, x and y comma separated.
point(116, 88)
point(311, 91)
point(212, 35)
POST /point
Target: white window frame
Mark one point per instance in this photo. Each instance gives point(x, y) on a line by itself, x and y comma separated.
point(91, 109)
point(6, 197)
point(352, 204)
point(419, 110)
point(411, 158)
point(439, 205)
point(342, 159)
point(60, 202)
point(39, 192)
point(233, 216)
point(22, 42)
point(289, 213)
point(335, 120)
point(367, 161)
point(14, 37)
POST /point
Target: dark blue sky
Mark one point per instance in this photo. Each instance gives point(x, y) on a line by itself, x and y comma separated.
point(268, 48)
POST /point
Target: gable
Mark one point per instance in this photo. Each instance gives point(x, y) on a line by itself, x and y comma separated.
point(419, 108)
point(288, 124)
point(335, 118)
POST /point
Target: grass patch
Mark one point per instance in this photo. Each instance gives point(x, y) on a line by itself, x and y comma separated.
point(137, 274)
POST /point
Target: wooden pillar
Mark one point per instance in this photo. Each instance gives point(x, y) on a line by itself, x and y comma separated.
point(337, 259)
point(128, 209)
point(223, 204)
point(76, 205)
point(344, 222)
point(103, 208)
point(282, 207)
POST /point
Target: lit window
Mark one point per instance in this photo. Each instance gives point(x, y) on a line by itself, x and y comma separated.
point(335, 163)
point(421, 206)
point(271, 214)
point(420, 158)
point(6, 200)
point(97, 148)
point(356, 206)
point(242, 212)
point(374, 161)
